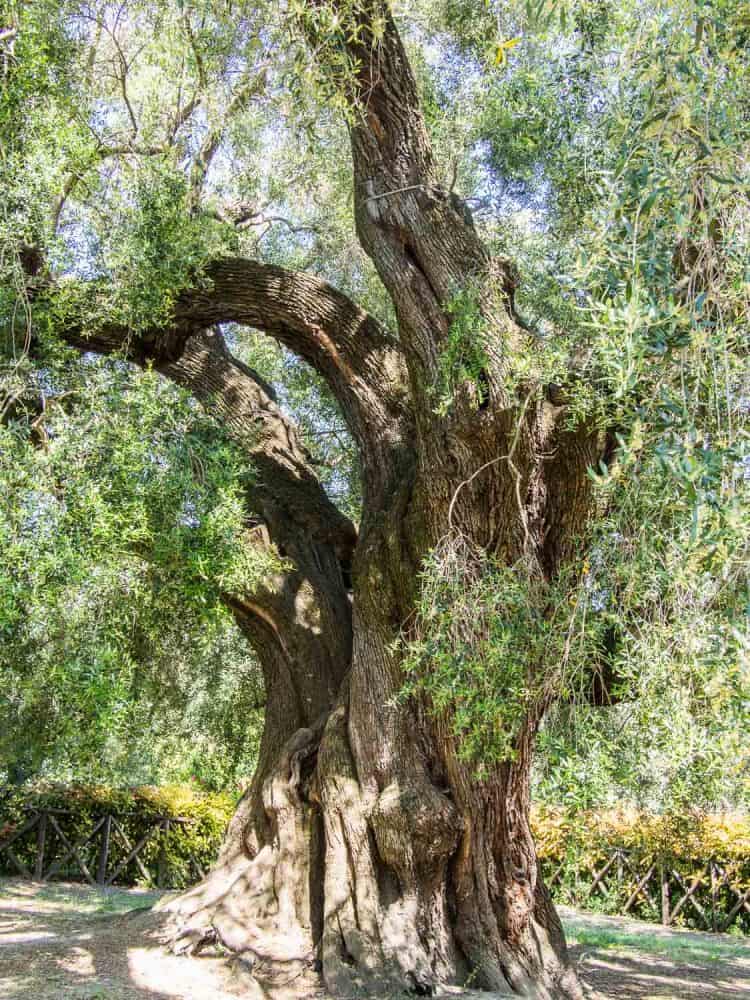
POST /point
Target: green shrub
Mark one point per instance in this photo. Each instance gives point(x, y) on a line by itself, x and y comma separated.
point(572, 846)
point(180, 853)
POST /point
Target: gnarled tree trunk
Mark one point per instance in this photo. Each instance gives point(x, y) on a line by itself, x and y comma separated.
point(366, 847)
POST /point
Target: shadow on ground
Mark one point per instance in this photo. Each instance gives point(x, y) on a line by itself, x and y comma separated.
point(79, 943)
point(90, 944)
point(630, 960)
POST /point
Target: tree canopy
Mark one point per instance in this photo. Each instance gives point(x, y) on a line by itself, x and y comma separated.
point(604, 150)
point(461, 288)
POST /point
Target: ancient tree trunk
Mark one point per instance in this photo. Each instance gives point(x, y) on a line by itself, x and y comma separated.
point(366, 847)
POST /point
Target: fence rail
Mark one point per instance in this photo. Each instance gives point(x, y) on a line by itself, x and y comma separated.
point(102, 854)
point(709, 897)
point(112, 848)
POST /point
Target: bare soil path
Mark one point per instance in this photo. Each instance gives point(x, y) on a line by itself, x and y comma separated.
point(72, 942)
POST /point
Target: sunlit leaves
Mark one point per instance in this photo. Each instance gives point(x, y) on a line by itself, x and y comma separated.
point(122, 518)
point(503, 49)
point(617, 143)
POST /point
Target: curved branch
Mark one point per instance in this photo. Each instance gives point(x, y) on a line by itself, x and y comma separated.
point(361, 363)
point(359, 360)
point(287, 489)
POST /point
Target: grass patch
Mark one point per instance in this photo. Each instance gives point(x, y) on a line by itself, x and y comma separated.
point(84, 899)
point(681, 947)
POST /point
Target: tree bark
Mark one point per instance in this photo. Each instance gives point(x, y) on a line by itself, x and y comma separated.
point(366, 846)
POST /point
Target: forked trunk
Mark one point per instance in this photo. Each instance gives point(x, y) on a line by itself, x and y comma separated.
point(366, 848)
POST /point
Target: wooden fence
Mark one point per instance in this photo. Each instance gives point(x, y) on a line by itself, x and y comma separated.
point(710, 897)
point(103, 855)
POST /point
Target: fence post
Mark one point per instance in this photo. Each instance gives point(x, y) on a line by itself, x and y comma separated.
point(41, 836)
point(161, 867)
point(101, 870)
point(714, 894)
point(664, 879)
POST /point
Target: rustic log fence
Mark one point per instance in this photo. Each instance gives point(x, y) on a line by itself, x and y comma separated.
point(103, 855)
point(49, 843)
point(710, 897)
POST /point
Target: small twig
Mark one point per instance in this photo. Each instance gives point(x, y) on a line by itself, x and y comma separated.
point(250, 86)
point(387, 194)
point(269, 220)
point(467, 482)
point(454, 176)
point(102, 153)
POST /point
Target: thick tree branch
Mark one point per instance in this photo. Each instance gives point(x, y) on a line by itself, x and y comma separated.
point(359, 360)
point(419, 234)
point(287, 489)
point(286, 486)
point(320, 324)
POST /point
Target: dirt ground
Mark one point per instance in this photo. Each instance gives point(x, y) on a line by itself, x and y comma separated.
point(71, 941)
point(620, 959)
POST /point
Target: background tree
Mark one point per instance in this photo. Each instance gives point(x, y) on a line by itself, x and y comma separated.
point(497, 453)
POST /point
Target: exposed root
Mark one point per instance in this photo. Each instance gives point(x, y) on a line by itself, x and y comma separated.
point(192, 940)
point(260, 908)
point(364, 889)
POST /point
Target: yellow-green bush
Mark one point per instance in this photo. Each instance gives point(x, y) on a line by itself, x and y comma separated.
point(181, 852)
point(573, 846)
point(689, 835)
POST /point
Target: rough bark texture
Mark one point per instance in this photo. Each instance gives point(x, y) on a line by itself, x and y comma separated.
point(365, 846)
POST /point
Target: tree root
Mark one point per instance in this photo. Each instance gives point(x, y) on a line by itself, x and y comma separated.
point(368, 904)
point(259, 908)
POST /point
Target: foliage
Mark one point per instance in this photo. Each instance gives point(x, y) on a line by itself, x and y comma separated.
point(464, 652)
point(463, 358)
point(485, 646)
point(575, 844)
point(693, 835)
point(156, 251)
point(615, 149)
point(122, 520)
point(197, 840)
point(666, 267)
